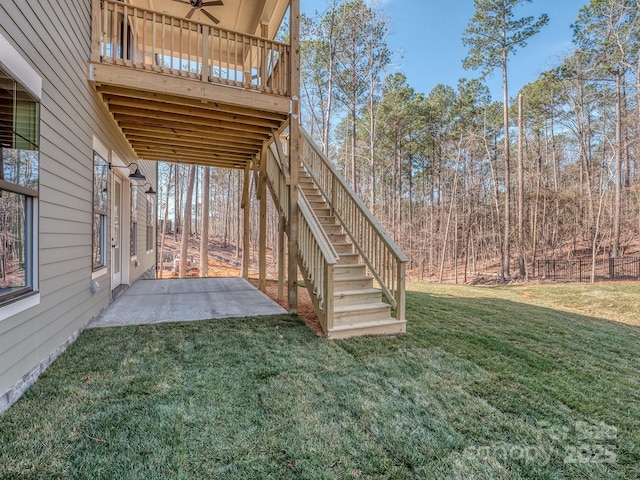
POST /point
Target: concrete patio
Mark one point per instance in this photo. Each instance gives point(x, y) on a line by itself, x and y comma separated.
point(186, 300)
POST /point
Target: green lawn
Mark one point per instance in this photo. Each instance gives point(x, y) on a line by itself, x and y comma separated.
point(488, 383)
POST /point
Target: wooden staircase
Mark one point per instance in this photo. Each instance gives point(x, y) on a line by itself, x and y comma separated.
point(358, 308)
point(342, 249)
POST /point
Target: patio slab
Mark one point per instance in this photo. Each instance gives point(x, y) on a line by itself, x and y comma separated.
point(186, 300)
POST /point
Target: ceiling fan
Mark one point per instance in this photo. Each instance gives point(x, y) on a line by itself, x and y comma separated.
point(199, 5)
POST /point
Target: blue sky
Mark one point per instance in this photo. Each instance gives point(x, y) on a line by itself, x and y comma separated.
point(426, 38)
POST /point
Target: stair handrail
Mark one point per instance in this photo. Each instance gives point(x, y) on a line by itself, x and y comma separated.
point(381, 254)
point(317, 256)
point(278, 181)
point(317, 260)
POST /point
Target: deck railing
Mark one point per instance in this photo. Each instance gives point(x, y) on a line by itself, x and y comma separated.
point(317, 257)
point(148, 40)
point(278, 180)
point(383, 257)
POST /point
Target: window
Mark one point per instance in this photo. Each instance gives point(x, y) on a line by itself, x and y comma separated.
point(150, 218)
point(100, 207)
point(134, 222)
point(19, 183)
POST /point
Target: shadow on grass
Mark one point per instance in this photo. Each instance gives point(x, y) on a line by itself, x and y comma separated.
point(478, 387)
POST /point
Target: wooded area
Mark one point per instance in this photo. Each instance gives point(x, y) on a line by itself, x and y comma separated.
point(468, 186)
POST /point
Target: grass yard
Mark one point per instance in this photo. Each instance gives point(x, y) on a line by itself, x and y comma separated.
point(488, 383)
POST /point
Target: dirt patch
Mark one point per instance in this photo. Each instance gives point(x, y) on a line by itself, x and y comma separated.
point(306, 311)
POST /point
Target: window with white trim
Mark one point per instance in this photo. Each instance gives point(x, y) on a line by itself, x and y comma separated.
point(150, 220)
point(100, 209)
point(19, 184)
point(133, 230)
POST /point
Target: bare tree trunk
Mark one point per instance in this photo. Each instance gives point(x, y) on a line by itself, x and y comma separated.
point(618, 186)
point(164, 223)
point(176, 205)
point(186, 222)
point(354, 162)
point(204, 233)
point(451, 205)
point(521, 262)
point(506, 260)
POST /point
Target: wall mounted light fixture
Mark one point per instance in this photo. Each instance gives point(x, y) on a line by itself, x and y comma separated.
point(150, 191)
point(136, 176)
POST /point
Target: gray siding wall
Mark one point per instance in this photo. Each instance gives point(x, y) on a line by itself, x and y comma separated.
point(53, 36)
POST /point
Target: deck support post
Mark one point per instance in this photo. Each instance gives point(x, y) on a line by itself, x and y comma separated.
point(281, 250)
point(246, 209)
point(294, 157)
point(96, 30)
point(262, 196)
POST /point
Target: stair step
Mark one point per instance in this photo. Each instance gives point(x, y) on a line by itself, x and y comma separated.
point(349, 271)
point(352, 283)
point(388, 326)
point(348, 259)
point(355, 297)
point(343, 247)
point(366, 312)
point(323, 212)
point(327, 219)
point(335, 228)
point(337, 237)
point(315, 197)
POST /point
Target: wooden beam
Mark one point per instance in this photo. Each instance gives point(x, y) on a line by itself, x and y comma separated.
point(262, 196)
point(294, 133)
point(189, 111)
point(191, 146)
point(234, 165)
point(213, 142)
point(149, 153)
point(220, 162)
point(177, 119)
point(96, 28)
point(166, 84)
point(178, 100)
point(281, 250)
point(246, 207)
point(138, 123)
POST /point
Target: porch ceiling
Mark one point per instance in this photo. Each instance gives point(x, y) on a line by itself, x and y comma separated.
point(245, 16)
point(173, 128)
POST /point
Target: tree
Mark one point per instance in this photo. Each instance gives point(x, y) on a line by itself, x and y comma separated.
point(492, 35)
point(204, 234)
point(361, 55)
point(606, 32)
point(186, 222)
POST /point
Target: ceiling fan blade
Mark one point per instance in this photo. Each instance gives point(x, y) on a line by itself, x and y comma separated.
point(190, 14)
point(216, 3)
point(211, 17)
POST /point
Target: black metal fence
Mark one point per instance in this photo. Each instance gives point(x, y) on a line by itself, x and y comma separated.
point(579, 270)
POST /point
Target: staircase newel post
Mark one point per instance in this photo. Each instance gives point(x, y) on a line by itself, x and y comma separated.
point(281, 232)
point(262, 195)
point(400, 293)
point(328, 301)
point(294, 152)
point(96, 29)
point(246, 206)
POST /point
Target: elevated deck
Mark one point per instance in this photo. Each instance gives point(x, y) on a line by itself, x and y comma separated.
point(188, 91)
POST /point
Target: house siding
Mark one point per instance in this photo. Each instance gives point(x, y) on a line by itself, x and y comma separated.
point(53, 37)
